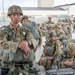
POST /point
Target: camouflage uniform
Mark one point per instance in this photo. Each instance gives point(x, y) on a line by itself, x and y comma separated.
point(50, 29)
point(68, 56)
point(67, 30)
point(52, 52)
point(50, 22)
point(44, 29)
point(56, 29)
point(10, 38)
point(74, 24)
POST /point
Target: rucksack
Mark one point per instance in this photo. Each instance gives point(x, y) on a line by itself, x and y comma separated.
point(34, 29)
point(49, 50)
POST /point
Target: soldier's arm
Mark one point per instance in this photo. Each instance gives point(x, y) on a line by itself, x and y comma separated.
point(8, 45)
point(40, 40)
point(4, 43)
point(58, 46)
point(30, 38)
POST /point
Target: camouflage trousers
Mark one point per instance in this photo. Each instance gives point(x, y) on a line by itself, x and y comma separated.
point(19, 70)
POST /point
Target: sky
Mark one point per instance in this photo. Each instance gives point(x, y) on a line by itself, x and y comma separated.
point(29, 3)
point(22, 3)
point(62, 2)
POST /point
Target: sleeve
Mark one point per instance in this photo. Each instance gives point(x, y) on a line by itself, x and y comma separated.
point(30, 37)
point(58, 47)
point(9, 45)
point(4, 44)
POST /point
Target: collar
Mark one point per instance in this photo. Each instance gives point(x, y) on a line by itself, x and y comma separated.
point(11, 27)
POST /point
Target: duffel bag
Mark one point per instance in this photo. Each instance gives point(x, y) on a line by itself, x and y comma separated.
point(4, 71)
point(66, 71)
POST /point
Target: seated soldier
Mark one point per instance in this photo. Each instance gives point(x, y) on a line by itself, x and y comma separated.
point(50, 20)
point(15, 43)
point(52, 52)
point(69, 60)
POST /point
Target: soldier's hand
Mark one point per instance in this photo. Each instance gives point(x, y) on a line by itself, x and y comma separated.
point(68, 63)
point(51, 58)
point(24, 46)
point(54, 38)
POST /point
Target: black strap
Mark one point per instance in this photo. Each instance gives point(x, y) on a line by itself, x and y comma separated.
point(54, 47)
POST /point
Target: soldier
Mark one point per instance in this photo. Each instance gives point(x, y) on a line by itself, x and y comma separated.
point(56, 29)
point(50, 28)
point(73, 28)
point(32, 26)
point(74, 24)
point(68, 60)
point(16, 44)
point(52, 52)
point(69, 25)
point(50, 20)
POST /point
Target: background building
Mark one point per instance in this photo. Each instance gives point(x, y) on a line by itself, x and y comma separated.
point(69, 7)
point(40, 14)
point(45, 3)
point(39, 10)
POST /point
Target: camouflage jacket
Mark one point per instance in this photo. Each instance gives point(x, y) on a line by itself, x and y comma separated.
point(10, 37)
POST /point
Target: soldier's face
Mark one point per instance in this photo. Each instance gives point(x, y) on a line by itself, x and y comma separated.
point(56, 29)
point(53, 38)
point(50, 28)
point(15, 18)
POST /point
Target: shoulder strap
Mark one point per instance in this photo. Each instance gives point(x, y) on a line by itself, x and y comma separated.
point(54, 47)
point(8, 28)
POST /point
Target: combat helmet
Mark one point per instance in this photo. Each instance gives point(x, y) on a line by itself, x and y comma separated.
point(71, 48)
point(24, 17)
point(49, 17)
point(52, 33)
point(14, 9)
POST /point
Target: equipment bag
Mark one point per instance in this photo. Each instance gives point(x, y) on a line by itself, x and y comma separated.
point(4, 71)
point(33, 71)
point(67, 71)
